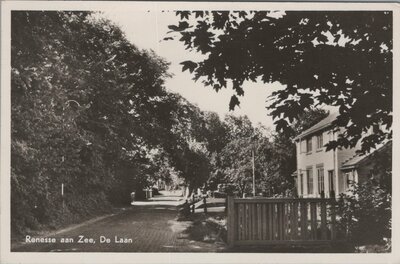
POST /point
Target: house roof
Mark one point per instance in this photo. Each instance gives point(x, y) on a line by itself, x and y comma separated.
point(354, 161)
point(357, 160)
point(324, 123)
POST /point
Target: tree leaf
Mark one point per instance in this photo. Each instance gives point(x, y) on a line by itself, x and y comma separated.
point(188, 65)
point(233, 102)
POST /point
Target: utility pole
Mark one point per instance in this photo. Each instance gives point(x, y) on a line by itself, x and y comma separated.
point(62, 196)
point(63, 158)
point(254, 175)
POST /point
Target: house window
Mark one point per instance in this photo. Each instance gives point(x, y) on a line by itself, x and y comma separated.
point(309, 145)
point(320, 141)
point(321, 182)
point(301, 184)
point(348, 179)
point(310, 184)
point(303, 146)
point(331, 183)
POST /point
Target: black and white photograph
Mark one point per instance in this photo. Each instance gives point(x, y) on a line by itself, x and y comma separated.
point(198, 128)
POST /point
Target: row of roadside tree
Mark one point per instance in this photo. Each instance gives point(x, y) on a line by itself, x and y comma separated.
point(92, 122)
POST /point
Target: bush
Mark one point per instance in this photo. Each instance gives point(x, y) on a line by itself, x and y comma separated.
point(365, 214)
point(155, 191)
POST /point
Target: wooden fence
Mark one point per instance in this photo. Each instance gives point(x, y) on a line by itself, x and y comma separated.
point(263, 221)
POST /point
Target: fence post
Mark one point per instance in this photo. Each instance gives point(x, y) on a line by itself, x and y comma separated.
point(205, 205)
point(231, 221)
point(333, 219)
point(323, 220)
point(226, 205)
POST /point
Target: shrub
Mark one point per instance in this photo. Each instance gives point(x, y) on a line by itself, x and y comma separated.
point(155, 191)
point(365, 214)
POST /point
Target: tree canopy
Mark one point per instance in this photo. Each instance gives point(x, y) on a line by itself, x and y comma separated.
point(89, 111)
point(336, 58)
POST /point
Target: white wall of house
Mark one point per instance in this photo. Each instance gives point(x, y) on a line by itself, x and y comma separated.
point(315, 160)
point(331, 161)
point(344, 155)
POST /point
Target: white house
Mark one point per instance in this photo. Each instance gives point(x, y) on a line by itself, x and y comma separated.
point(322, 173)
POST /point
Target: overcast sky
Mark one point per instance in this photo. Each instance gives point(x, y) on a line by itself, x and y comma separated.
point(147, 29)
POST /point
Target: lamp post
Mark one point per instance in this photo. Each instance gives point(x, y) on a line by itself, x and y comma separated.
point(253, 154)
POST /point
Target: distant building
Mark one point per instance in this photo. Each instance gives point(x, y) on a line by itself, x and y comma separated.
point(322, 173)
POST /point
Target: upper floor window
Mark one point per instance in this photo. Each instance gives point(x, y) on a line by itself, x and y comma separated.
point(309, 145)
point(320, 141)
point(303, 146)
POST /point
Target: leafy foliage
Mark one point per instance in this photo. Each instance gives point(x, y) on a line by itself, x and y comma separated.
point(274, 155)
point(90, 111)
point(341, 58)
point(233, 163)
point(365, 214)
point(87, 108)
point(284, 155)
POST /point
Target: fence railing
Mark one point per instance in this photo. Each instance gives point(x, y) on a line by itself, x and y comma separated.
point(256, 221)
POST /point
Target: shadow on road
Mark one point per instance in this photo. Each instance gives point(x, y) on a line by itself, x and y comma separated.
point(147, 226)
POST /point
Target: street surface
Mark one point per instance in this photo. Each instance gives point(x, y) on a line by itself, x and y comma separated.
point(148, 226)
